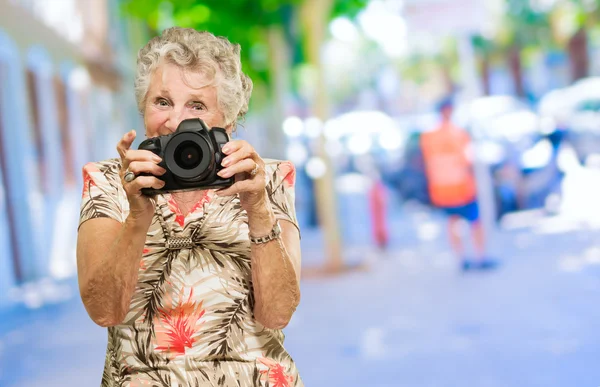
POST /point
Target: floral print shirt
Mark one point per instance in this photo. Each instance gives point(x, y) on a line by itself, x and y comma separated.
point(190, 322)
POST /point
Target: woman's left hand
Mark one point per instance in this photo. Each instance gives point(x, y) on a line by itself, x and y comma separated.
point(248, 167)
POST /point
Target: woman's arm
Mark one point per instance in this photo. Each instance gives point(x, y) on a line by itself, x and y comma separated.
point(275, 264)
point(108, 260)
point(109, 248)
point(275, 269)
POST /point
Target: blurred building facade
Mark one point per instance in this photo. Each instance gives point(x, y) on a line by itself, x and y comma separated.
point(66, 97)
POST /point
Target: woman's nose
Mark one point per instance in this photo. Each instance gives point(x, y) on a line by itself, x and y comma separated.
point(175, 118)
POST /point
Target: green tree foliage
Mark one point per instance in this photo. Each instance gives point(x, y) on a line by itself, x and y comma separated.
point(526, 25)
point(241, 21)
point(348, 8)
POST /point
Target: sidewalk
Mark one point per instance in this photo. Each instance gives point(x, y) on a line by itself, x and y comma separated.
point(412, 319)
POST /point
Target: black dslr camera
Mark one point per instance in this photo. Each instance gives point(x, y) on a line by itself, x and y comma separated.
point(191, 155)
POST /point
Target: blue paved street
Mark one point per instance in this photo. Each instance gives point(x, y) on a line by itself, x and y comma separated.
point(411, 319)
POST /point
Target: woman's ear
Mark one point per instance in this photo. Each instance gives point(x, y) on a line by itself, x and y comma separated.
point(230, 129)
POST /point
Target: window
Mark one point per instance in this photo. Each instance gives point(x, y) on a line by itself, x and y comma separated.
point(63, 126)
point(11, 215)
point(32, 88)
point(63, 16)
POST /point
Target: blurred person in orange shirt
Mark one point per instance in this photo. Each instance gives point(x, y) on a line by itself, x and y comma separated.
point(451, 184)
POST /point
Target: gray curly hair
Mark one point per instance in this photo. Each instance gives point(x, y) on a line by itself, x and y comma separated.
point(215, 57)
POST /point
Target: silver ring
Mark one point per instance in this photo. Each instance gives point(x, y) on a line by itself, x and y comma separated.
point(129, 176)
point(254, 171)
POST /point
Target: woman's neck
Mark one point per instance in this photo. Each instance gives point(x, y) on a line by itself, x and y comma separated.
point(187, 199)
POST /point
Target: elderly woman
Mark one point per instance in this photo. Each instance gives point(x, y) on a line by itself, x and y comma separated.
point(209, 313)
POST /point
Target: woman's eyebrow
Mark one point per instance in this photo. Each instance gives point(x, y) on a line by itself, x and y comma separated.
point(196, 96)
point(165, 93)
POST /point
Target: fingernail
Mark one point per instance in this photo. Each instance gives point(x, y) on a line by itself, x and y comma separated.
point(226, 149)
point(226, 162)
point(156, 159)
point(132, 133)
point(224, 173)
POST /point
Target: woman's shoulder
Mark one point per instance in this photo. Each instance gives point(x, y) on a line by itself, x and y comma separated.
point(280, 171)
point(105, 171)
point(108, 164)
point(274, 163)
point(111, 166)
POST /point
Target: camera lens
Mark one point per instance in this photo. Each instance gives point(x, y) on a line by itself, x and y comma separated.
point(188, 155)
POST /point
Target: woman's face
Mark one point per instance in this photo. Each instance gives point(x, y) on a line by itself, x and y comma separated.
point(175, 95)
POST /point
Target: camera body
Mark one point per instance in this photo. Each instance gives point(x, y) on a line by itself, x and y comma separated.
point(191, 156)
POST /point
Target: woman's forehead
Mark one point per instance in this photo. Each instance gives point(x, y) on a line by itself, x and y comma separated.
point(169, 75)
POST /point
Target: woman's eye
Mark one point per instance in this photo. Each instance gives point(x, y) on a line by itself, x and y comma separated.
point(162, 102)
point(198, 106)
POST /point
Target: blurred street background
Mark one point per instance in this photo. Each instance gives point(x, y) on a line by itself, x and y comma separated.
point(344, 89)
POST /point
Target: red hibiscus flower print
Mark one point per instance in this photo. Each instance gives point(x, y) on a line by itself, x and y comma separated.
point(142, 261)
point(179, 218)
point(87, 179)
point(276, 374)
point(175, 328)
point(200, 203)
point(288, 171)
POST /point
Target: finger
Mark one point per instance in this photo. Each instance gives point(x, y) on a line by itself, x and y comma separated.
point(233, 146)
point(238, 187)
point(125, 143)
point(142, 155)
point(245, 152)
point(144, 182)
point(245, 165)
point(138, 167)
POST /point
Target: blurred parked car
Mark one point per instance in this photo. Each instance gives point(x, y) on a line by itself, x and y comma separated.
point(583, 122)
point(519, 148)
point(408, 175)
point(575, 111)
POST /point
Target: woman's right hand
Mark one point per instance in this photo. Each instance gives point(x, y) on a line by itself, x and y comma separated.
point(141, 207)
